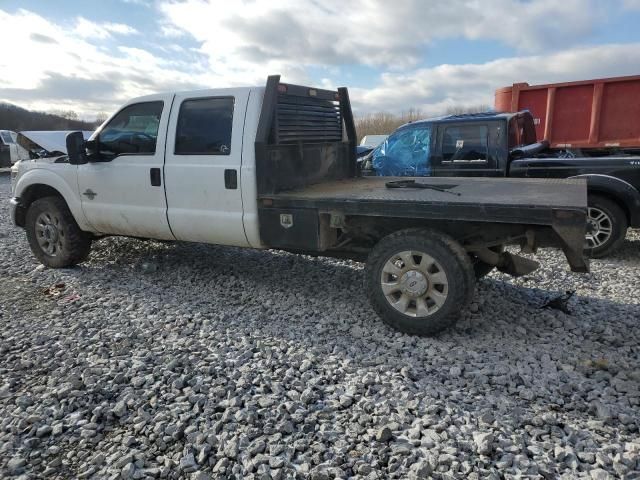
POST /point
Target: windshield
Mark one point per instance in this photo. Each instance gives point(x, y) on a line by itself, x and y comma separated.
point(6, 137)
point(404, 153)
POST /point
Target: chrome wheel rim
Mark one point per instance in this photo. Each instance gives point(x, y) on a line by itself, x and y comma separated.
point(414, 283)
point(49, 233)
point(599, 227)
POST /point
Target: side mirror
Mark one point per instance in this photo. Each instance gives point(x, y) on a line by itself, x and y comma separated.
point(76, 148)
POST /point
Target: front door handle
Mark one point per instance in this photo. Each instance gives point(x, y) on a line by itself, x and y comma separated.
point(154, 176)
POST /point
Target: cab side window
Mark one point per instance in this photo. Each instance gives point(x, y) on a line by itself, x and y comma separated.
point(134, 130)
point(204, 127)
point(465, 144)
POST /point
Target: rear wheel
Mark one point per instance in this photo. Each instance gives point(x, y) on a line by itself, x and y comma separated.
point(53, 234)
point(418, 281)
point(606, 226)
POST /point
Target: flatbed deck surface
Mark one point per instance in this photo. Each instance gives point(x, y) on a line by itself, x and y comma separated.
point(516, 199)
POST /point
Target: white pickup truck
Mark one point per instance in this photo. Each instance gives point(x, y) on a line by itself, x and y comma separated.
point(275, 167)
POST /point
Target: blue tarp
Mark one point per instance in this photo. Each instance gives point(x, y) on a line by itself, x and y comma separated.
point(405, 153)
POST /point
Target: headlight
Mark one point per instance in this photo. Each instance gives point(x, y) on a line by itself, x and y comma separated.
point(14, 175)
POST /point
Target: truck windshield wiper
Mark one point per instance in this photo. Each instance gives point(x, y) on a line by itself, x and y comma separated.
point(413, 184)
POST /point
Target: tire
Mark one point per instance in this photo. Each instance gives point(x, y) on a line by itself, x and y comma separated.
point(429, 297)
point(482, 269)
point(607, 226)
point(53, 234)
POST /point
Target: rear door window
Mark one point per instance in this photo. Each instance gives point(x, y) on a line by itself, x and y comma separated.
point(205, 126)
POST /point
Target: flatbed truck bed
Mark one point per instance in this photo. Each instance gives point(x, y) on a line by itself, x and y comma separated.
point(530, 201)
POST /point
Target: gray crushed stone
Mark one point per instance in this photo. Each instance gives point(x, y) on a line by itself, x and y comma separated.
point(157, 360)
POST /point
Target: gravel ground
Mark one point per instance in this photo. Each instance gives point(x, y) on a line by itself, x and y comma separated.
point(190, 361)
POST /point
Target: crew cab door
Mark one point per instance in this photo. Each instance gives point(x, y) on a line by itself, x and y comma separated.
point(122, 188)
point(203, 165)
point(470, 149)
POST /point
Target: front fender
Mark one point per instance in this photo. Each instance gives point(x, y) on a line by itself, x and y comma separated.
point(64, 183)
point(619, 189)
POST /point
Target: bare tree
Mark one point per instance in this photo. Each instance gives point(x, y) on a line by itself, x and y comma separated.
point(101, 117)
point(16, 118)
point(66, 114)
point(384, 123)
point(463, 109)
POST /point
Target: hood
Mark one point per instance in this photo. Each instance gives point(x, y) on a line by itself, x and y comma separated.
point(49, 141)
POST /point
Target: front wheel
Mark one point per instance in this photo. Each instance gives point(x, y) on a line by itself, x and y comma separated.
point(53, 234)
point(418, 281)
point(606, 226)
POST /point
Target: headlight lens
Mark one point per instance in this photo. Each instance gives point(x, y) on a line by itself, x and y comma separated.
point(14, 176)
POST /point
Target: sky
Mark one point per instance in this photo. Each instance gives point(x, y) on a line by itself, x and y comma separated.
point(89, 56)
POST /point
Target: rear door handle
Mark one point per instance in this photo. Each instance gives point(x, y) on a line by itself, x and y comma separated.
point(231, 179)
point(154, 176)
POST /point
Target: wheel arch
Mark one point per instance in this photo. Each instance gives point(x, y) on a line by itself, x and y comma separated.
point(618, 191)
point(37, 184)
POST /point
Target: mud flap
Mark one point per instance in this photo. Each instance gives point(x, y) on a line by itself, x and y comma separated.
point(571, 227)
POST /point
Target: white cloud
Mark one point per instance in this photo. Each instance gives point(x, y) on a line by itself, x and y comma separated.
point(60, 66)
point(87, 29)
point(57, 67)
point(144, 3)
point(170, 31)
point(372, 32)
point(432, 90)
point(631, 4)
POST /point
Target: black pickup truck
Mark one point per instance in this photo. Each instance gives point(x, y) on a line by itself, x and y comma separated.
point(504, 145)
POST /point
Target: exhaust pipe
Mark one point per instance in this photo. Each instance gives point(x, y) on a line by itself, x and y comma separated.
point(506, 262)
point(516, 265)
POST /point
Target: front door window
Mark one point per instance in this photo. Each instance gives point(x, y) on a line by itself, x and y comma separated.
point(404, 153)
point(134, 130)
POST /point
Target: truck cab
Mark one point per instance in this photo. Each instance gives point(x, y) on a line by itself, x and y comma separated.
point(166, 166)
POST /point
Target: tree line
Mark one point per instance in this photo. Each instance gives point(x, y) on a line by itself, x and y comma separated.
point(383, 123)
point(19, 119)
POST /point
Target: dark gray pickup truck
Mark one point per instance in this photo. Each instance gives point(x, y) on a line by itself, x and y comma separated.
point(504, 145)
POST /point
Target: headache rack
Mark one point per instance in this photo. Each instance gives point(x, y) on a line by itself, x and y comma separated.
point(307, 115)
point(305, 135)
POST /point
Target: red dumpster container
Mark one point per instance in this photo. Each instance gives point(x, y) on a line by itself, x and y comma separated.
point(602, 113)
